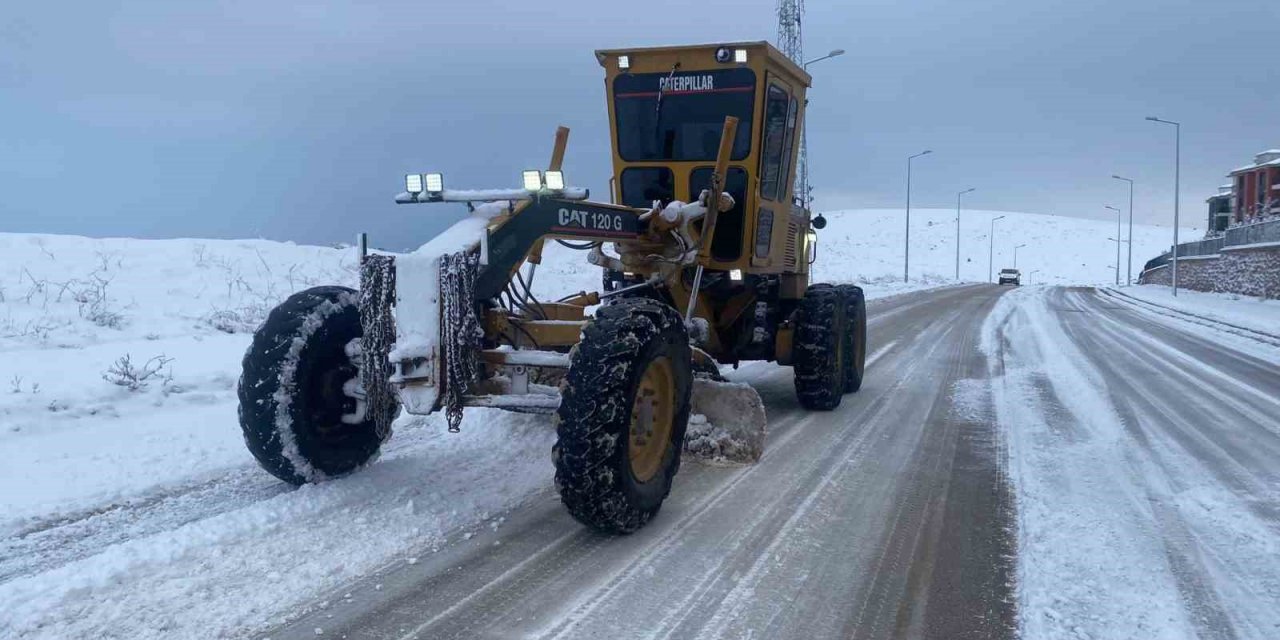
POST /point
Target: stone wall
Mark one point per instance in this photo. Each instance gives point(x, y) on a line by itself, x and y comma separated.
point(1247, 270)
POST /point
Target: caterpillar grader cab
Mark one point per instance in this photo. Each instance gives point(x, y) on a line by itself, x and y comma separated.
point(704, 251)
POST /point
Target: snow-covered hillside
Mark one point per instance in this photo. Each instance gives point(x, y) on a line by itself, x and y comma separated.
point(867, 244)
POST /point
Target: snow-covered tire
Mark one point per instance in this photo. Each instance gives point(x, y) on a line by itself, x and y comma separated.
point(597, 424)
point(855, 362)
point(301, 408)
point(818, 351)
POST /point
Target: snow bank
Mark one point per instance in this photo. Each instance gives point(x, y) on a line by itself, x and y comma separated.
point(1245, 311)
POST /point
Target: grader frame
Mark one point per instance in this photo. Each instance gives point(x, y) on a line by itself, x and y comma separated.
point(718, 276)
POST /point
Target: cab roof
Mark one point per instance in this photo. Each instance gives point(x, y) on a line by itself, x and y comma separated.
point(771, 52)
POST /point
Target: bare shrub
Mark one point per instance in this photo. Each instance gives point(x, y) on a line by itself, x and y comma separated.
point(94, 305)
point(133, 377)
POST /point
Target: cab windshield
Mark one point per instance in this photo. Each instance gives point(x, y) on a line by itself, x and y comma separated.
point(679, 116)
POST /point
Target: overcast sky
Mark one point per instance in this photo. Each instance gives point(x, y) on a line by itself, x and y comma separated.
point(296, 120)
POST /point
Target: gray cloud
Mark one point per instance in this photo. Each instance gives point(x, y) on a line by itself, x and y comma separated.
point(296, 120)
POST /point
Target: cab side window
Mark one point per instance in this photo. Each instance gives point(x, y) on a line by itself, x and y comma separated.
point(788, 148)
point(772, 177)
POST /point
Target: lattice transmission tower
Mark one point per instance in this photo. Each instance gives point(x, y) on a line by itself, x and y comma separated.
point(791, 43)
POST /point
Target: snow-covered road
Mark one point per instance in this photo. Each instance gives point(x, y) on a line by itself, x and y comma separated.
point(1145, 452)
point(1042, 462)
point(886, 517)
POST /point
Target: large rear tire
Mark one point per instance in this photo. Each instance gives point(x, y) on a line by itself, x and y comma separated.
point(622, 418)
point(301, 401)
point(855, 362)
point(819, 348)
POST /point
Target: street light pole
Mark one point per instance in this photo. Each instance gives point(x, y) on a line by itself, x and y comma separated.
point(991, 250)
point(1177, 178)
point(1128, 278)
point(958, 230)
point(1119, 217)
point(906, 252)
point(1015, 255)
point(803, 187)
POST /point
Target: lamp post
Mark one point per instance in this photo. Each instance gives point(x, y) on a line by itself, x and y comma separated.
point(1177, 177)
point(1119, 217)
point(1128, 278)
point(1118, 241)
point(1015, 255)
point(804, 138)
point(906, 252)
point(958, 230)
point(991, 250)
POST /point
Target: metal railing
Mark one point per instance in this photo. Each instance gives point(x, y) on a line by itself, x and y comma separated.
point(1253, 233)
point(1266, 231)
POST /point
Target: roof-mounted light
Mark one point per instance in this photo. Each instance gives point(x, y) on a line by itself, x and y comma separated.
point(624, 62)
point(532, 180)
point(740, 56)
point(413, 183)
point(724, 54)
point(554, 180)
point(434, 182)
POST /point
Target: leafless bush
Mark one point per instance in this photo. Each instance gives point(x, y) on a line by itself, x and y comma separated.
point(40, 243)
point(245, 319)
point(38, 328)
point(94, 305)
point(124, 373)
point(15, 385)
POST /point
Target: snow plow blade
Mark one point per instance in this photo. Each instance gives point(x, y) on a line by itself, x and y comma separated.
point(726, 422)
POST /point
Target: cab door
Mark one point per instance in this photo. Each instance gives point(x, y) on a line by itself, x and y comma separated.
point(777, 157)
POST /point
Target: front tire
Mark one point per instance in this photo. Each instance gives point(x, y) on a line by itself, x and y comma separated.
point(819, 351)
point(301, 401)
point(623, 413)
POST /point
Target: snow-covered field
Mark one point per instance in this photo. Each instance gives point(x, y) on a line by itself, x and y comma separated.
point(867, 245)
point(125, 501)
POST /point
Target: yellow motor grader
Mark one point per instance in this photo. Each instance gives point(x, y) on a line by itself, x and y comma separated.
point(704, 251)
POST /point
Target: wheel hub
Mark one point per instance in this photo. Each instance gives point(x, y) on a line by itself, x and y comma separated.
point(652, 417)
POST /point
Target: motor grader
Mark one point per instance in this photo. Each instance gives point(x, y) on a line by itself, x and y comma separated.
point(704, 251)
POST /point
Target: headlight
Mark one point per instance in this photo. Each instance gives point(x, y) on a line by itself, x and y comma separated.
point(434, 182)
point(532, 180)
point(413, 183)
point(735, 275)
point(555, 180)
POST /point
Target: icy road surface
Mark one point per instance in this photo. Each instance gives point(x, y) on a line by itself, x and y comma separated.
point(1038, 462)
point(1143, 478)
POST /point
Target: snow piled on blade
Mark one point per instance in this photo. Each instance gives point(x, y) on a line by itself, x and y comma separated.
point(726, 423)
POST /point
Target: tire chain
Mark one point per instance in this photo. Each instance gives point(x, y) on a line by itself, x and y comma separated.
point(461, 332)
point(377, 295)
